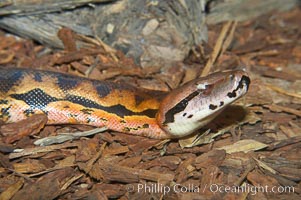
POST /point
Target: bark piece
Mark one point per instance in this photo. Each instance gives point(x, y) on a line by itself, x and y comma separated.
point(40, 6)
point(241, 10)
point(153, 33)
point(30, 126)
point(47, 187)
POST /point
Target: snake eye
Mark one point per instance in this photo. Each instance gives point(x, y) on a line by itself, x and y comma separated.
point(231, 77)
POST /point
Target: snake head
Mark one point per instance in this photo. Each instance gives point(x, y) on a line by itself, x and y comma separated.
point(197, 102)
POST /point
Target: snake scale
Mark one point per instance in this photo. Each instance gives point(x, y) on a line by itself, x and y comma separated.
point(67, 99)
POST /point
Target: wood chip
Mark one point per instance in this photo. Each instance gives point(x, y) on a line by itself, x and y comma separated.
point(18, 130)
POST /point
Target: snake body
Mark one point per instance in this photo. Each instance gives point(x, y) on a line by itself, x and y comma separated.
point(67, 99)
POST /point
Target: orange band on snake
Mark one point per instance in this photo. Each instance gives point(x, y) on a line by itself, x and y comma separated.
point(67, 99)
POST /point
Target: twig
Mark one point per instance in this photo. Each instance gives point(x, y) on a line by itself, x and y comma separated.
point(217, 48)
point(63, 137)
point(229, 39)
point(30, 151)
point(282, 91)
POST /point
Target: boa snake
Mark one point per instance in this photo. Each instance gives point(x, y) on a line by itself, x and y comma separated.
point(67, 99)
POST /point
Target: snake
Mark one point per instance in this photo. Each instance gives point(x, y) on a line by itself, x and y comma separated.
point(120, 107)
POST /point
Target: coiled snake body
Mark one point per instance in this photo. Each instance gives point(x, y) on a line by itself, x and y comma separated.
point(67, 99)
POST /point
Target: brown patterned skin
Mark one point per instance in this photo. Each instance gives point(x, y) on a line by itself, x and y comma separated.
point(67, 99)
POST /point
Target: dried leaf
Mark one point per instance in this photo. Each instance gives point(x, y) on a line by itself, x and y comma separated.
point(244, 146)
